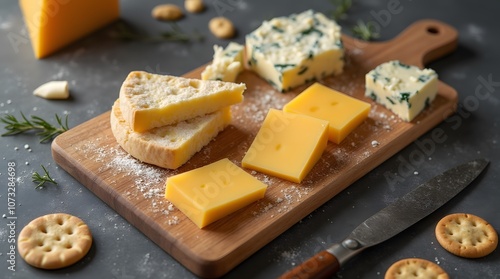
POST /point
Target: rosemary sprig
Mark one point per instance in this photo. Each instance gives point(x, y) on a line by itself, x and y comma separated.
point(42, 179)
point(126, 32)
point(341, 8)
point(365, 31)
point(45, 130)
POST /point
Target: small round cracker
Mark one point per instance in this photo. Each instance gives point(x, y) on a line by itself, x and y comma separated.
point(54, 241)
point(466, 235)
point(415, 268)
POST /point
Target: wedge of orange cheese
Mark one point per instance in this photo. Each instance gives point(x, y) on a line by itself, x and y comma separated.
point(53, 24)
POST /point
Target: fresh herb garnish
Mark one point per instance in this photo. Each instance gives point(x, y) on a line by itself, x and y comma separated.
point(175, 34)
point(365, 31)
point(46, 131)
point(341, 8)
point(42, 179)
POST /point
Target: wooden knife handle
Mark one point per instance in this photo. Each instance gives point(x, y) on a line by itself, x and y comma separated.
point(321, 265)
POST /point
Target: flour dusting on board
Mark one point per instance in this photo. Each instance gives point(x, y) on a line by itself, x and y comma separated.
point(258, 103)
point(149, 181)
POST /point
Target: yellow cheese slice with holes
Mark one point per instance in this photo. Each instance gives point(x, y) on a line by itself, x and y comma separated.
point(343, 113)
point(211, 192)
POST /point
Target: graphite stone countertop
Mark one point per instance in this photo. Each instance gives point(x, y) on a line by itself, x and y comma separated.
point(96, 66)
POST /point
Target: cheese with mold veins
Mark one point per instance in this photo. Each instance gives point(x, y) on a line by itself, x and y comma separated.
point(211, 192)
point(404, 89)
point(226, 64)
point(288, 145)
point(290, 51)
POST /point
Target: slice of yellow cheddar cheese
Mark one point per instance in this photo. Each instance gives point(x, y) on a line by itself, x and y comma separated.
point(211, 192)
point(287, 145)
point(53, 24)
point(150, 100)
point(343, 112)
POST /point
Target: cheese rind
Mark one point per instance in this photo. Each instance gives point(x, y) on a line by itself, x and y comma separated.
point(226, 64)
point(343, 113)
point(148, 100)
point(55, 24)
point(290, 51)
point(168, 146)
point(287, 145)
point(211, 192)
point(404, 89)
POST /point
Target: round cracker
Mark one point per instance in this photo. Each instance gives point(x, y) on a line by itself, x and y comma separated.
point(466, 235)
point(54, 241)
point(415, 268)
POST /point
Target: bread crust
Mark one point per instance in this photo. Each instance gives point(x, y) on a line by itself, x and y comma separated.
point(168, 146)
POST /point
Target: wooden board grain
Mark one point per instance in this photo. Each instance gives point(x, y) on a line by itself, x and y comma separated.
point(135, 190)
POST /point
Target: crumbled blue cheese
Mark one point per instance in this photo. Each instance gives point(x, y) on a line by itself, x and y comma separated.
point(290, 51)
point(226, 64)
point(405, 90)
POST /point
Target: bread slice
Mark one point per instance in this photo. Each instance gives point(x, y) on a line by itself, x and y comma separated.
point(169, 146)
point(149, 100)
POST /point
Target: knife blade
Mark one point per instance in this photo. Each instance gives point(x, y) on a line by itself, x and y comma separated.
point(391, 220)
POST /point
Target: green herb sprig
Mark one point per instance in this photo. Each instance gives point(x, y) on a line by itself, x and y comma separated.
point(42, 179)
point(46, 131)
point(176, 34)
point(341, 8)
point(365, 31)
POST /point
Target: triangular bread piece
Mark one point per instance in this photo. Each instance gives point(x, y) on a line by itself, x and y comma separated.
point(168, 146)
point(150, 100)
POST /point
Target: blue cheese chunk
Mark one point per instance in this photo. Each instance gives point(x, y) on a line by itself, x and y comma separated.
point(226, 64)
point(291, 51)
point(405, 90)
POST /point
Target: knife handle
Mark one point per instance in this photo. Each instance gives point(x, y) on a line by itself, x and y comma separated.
point(321, 265)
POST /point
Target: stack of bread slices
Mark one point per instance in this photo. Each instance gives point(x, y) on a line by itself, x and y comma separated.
point(164, 120)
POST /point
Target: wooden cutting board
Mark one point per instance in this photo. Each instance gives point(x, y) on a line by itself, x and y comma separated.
point(135, 190)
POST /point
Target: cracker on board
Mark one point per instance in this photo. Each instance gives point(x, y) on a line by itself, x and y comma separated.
point(54, 241)
point(466, 235)
point(415, 268)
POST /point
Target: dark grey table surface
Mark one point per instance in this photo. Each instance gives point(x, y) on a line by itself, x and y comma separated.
point(96, 66)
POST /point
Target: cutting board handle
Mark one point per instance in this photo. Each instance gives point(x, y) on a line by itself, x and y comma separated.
point(420, 43)
point(431, 40)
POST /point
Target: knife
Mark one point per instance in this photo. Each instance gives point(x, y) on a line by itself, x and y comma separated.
point(391, 220)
